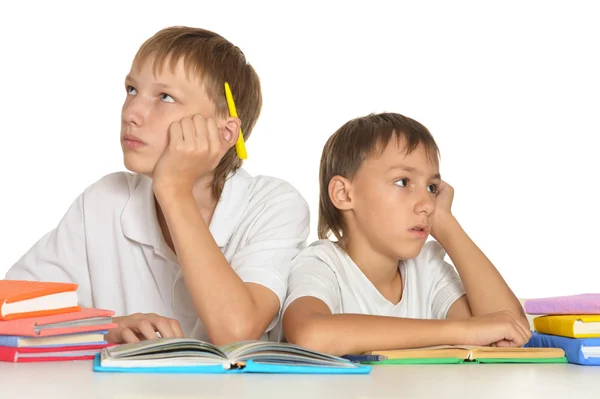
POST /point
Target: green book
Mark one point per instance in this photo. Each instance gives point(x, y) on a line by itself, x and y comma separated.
point(463, 354)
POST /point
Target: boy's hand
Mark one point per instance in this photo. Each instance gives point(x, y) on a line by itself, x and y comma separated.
point(443, 208)
point(196, 146)
point(143, 326)
point(496, 329)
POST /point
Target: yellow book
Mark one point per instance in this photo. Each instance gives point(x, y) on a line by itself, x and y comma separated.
point(573, 326)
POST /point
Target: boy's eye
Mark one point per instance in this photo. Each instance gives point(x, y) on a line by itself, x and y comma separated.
point(401, 182)
point(432, 188)
point(167, 98)
point(131, 90)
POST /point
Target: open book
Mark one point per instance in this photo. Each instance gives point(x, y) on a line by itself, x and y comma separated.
point(182, 355)
point(470, 354)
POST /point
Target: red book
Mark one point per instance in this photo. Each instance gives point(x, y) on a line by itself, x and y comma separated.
point(24, 355)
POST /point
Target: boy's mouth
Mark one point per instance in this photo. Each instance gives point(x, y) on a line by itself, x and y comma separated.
point(420, 231)
point(420, 227)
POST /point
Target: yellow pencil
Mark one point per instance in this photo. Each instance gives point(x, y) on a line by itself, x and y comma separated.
point(240, 146)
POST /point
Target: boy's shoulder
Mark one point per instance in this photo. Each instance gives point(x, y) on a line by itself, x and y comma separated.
point(115, 188)
point(262, 189)
point(322, 251)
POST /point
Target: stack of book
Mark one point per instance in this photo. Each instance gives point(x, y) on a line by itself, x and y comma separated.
point(571, 323)
point(42, 321)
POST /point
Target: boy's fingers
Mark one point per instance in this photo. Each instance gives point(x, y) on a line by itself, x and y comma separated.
point(176, 327)
point(128, 336)
point(200, 125)
point(175, 134)
point(164, 328)
point(188, 129)
point(146, 330)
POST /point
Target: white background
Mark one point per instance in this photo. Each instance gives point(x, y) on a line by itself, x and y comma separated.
point(510, 90)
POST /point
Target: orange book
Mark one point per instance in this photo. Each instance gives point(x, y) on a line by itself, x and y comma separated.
point(21, 299)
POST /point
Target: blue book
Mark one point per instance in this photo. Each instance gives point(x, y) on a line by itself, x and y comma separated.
point(183, 355)
point(584, 351)
point(54, 341)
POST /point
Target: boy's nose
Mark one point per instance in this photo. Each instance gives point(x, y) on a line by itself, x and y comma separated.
point(134, 112)
point(425, 204)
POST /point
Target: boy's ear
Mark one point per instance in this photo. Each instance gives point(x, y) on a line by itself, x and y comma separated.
point(231, 131)
point(340, 193)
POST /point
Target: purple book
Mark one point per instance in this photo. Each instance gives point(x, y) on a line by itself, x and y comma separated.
point(570, 304)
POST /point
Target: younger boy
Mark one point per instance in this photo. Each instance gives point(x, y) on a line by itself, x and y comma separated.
point(380, 285)
point(189, 244)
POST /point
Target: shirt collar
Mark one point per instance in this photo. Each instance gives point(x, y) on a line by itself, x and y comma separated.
point(140, 223)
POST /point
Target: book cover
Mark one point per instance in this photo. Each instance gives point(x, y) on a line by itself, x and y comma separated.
point(181, 355)
point(84, 320)
point(574, 326)
point(457, 354)
point(569, 304)
point(28, 355)
point(582, 351)
point(22, 298)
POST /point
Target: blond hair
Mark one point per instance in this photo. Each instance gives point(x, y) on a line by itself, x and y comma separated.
point(215, 60)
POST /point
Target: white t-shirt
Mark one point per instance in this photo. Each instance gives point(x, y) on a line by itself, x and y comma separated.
point(325, 271)
point(109, 242)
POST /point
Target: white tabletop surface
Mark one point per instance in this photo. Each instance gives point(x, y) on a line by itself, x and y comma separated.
point(77, 380)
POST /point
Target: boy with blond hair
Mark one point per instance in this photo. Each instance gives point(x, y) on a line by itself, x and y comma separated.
point(380, 285)
point(189, 244)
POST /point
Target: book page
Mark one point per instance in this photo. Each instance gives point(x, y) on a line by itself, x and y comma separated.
point(163, 348)
point(442, 351)
point(280, 353)
point(516, 353)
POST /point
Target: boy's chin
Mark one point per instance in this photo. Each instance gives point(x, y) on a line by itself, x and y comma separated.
point(409, 251)
point(136, 166)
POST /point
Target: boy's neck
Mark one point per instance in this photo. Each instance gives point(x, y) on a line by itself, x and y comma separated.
point(380, 269)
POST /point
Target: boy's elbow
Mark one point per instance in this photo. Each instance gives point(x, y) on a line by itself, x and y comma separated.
point(310, 335)
point(247, 330)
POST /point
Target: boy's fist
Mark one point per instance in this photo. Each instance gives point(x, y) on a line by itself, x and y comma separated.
point(496, 329)
point(196, 146)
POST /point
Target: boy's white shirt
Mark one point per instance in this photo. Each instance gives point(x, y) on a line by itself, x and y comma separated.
point(109, 242)
point(323, 270)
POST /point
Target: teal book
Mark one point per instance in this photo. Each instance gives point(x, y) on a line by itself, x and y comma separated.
point(183, 355)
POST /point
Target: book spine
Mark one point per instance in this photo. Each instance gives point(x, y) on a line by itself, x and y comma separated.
point(554, 326)
point(9, 341)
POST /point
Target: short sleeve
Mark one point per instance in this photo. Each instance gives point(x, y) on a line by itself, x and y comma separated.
point(277, 235)
point(310, 276)
point(447, 286)
point(60, 255)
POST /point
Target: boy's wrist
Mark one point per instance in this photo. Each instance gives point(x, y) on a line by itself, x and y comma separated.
point(444, 225)
point(454, 332)
point(168, 195)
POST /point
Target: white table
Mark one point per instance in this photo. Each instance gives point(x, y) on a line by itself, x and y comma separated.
point(77, 380)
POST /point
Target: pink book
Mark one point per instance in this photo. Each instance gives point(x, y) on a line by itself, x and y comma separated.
point(570, 304)
point(85, 320)
point(19, 355)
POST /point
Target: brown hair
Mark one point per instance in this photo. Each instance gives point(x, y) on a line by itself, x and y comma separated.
point(351, 144)
point(215, 61)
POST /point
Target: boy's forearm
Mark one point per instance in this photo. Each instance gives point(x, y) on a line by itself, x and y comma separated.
point(222, 300)
point(344, 334)
point(486, 290)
